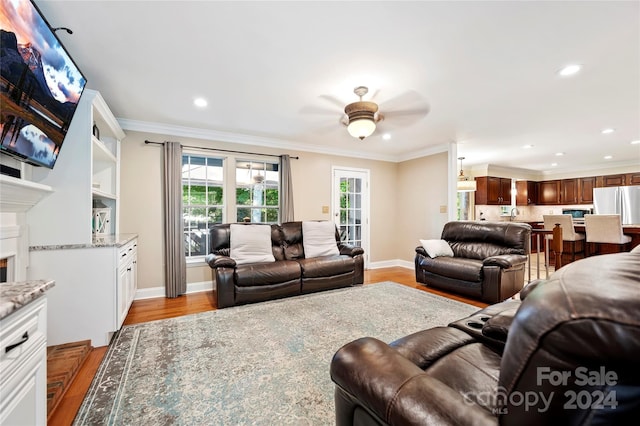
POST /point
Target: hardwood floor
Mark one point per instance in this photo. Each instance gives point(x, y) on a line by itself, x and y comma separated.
point(161, 308)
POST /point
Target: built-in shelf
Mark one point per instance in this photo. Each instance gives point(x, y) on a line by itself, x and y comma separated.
point(100, 194)
point(101, 152)
point(19, 195)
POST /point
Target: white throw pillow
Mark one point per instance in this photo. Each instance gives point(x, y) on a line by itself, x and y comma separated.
point(437, 248)
point(250, 244)
point(319, 239)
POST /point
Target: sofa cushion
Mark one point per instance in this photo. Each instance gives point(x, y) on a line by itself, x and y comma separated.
point(437, 248)
point(319, 239)
point(326, 266)
point(458, 268)
point(250, 244)
point(267, 273)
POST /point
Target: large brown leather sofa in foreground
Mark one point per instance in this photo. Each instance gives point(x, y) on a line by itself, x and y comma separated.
point(291, 274)
point(566, 355)
point(488, 260)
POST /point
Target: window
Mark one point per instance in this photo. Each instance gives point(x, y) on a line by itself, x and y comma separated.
point(202, 199)
point(207, 197)
point(257, 191)
point(351, 210)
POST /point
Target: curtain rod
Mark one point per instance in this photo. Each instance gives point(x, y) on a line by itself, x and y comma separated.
point(222, 150)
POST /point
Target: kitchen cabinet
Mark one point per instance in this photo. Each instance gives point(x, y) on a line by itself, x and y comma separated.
point(569, 191)
point(493, 191)
point(632, 179)
point(585, 189)
point(610, 180)
point(526, 193)
point(549, 192)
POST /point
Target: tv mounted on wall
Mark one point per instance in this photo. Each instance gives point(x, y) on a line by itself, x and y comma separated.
point(40, 85)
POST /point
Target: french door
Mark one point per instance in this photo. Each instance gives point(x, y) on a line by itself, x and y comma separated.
point(350, 206)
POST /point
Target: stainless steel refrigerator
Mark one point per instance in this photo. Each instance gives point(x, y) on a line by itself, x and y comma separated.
point(622, 200)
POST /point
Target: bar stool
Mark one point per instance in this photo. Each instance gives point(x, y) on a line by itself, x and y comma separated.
point(568, 231)
point(605, 229)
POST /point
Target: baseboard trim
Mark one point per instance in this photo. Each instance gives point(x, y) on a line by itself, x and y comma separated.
point(390, 263)
point(153, 292)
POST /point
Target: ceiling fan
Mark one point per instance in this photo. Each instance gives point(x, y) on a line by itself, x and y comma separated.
point(363, 117)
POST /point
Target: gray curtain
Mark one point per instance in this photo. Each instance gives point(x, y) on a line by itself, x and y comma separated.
point(175, 265)
point(286, 196)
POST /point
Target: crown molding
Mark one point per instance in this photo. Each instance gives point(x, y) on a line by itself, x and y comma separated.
point(245, 139)
point(435, 149)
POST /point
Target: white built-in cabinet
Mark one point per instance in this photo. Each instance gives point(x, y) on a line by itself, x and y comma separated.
point(23, 365)
point(86, 173)
point(95, 274)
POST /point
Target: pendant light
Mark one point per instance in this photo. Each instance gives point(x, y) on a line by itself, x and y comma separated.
point(464, 184)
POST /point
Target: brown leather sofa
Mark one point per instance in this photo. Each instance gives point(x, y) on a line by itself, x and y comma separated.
point(488, 260)
point(291, 274)
point(566, 355)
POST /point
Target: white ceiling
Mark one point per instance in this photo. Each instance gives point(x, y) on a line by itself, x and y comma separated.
point(272, 71)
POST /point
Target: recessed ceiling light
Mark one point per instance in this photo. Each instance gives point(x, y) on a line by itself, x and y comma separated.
point(554, 164)
point(527, 146)
point(200, 102)
point(569, 70)
point(607, 131)
point(386, 136)
point(635, 142)
point(559, 154)
point(608, 157)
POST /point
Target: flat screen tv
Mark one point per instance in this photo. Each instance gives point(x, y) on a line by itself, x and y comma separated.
point(40, 85)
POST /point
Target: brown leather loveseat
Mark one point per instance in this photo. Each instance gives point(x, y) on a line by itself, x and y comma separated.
point(488, 260)
point(566, 355)
point(291, 274)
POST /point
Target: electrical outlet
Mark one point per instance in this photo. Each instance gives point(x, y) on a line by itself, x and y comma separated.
point(443, 209)
point(325, 209)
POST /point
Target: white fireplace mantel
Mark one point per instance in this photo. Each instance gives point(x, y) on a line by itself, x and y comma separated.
point(19, 195)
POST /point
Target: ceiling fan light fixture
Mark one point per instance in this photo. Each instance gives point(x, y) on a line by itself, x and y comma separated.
point(362, 115)
point(361, 127)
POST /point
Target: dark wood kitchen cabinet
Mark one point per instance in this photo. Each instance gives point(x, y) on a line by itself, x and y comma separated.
point(610, 180)
point(569, 191)
point(526, 192)
point(632, 179)
point(493, 190)
point(585, 189)
point(549, 192)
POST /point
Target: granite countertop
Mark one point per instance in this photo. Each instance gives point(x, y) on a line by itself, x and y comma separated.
point(15, 295)
point(118, 240)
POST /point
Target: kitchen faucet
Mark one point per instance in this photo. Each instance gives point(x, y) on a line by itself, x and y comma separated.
point(514, 212)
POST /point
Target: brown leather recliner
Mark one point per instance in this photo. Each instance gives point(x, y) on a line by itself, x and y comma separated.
point(567, 354)
point(488, 260)
point(291, 274)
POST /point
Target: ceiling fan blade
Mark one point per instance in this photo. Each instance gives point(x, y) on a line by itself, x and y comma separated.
point(316, 110)
point(407, 99)
point(413, 112)
point(333, 100)
point(375, 94)
point(405, 117)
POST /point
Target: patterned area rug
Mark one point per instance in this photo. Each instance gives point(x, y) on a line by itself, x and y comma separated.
point(266, 363)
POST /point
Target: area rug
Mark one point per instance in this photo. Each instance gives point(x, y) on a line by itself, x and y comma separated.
point(260, 364)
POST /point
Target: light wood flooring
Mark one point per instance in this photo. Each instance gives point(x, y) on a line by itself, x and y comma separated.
point(161, 308)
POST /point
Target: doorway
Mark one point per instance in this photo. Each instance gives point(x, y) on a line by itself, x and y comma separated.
point(350, 206)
